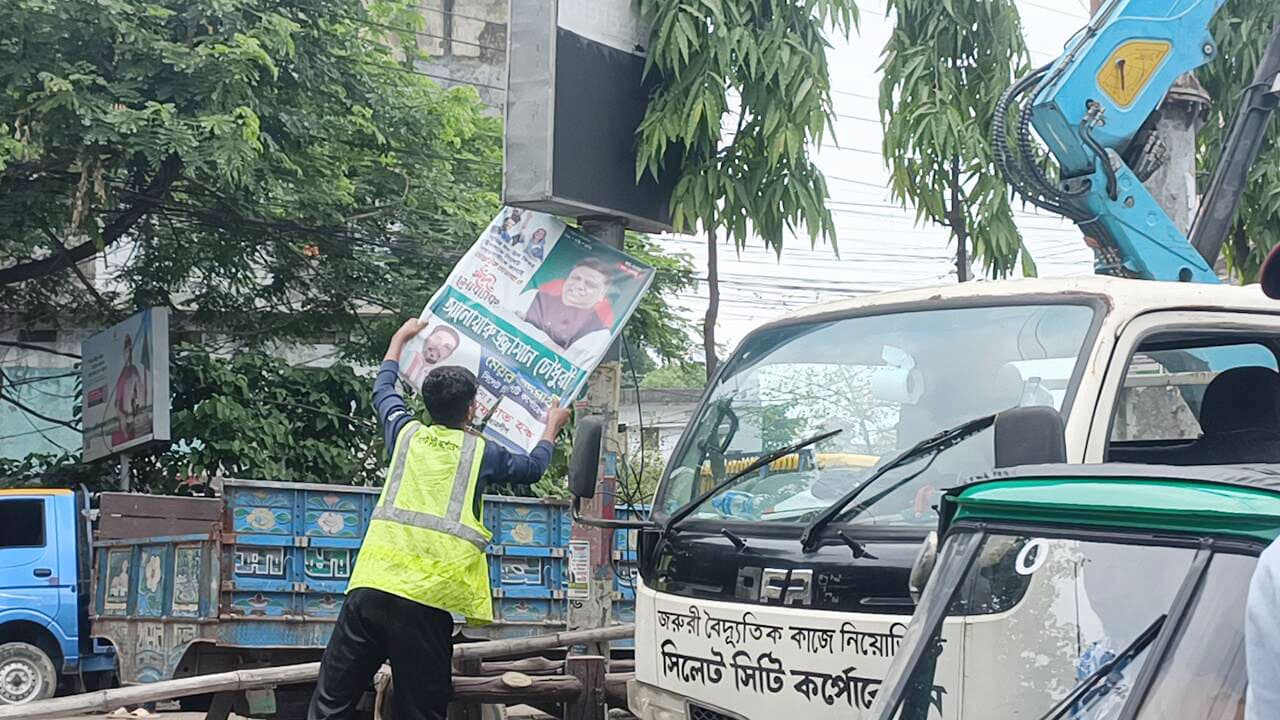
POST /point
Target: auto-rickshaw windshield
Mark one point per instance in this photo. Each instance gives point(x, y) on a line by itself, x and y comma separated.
point(887, 381)
point(1033, 619)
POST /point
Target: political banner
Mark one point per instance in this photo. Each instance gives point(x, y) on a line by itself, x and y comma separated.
point(531, 309)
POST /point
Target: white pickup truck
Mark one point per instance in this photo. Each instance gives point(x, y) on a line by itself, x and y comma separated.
point(784, 594)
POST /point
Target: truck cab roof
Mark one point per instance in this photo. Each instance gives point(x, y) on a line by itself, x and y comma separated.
point(1126, 298)
point(35, 492)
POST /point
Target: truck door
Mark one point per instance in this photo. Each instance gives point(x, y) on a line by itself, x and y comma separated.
point(1191, 388)
point(29, 567)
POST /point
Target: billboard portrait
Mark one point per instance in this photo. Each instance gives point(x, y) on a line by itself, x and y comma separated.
point(125, 380)
point(531, 309)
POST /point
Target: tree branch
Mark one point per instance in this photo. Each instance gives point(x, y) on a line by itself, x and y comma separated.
point(62, 250)
point(322, 411)
point(114, 230)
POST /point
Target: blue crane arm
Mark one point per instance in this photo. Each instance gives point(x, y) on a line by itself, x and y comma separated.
point(1087, 107)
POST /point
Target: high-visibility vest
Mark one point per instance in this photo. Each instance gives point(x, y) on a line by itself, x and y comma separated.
point(426, 541)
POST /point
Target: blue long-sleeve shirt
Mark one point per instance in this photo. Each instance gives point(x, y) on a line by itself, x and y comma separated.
point(497, 465)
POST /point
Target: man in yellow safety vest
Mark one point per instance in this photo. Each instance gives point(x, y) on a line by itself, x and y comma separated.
point(423, 556)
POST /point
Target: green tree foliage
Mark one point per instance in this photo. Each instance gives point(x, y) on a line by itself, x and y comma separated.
point(944, 67)
point(272, 171)
point(1242, 29)
point(655, 328)
point(947, 63)
point(248, 416)
point(686, 375)
point(769, 60)
point(271, 167)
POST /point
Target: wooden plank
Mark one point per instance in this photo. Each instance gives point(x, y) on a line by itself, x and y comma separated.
point(615, 689)
point(129, 528)
point(172, 506)
point(516, 646)
point(590, 703)
point(123, 516)
point(103, 701)
point(460, 709)
point(528, 666)
point(550, 689)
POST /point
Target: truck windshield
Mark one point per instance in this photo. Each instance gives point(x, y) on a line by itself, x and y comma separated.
point(1033, 617)
point(887, 381)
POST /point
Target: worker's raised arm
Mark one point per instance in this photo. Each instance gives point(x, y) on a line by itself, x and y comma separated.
point(503, 467)
point(393, 415)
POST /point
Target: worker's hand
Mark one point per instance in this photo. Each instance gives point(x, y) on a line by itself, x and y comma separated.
point(411, 327)
point(557, 418)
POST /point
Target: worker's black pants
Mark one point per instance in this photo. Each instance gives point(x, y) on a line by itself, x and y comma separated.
point(372, 628)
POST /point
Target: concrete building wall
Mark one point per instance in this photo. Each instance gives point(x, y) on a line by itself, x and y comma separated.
point(467, 43)
point(42, 381)
point(665, 415)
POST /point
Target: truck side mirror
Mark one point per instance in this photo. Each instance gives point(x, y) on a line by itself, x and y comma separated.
point(584, 471)
point(1030, 436)
point(922, 568)
point(584, 462)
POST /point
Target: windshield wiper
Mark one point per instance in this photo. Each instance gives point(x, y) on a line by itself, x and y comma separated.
point(1115, 665)
point(935, 444)
point(683, 511)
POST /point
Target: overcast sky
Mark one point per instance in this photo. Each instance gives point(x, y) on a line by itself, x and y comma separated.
point(881, 247)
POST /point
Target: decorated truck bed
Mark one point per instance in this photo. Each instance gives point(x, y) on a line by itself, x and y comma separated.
point(187, 586)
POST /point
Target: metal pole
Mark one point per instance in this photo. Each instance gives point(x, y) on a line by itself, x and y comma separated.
point(124, 472)
point(595, 545)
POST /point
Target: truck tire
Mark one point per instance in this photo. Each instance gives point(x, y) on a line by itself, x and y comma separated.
point(26, 674)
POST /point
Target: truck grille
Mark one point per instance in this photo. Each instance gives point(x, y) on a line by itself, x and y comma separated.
point(698, 712)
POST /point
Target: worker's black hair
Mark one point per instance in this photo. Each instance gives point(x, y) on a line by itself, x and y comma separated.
point(448, 392)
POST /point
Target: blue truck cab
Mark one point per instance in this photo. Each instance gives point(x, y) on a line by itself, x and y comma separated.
point(44, 596)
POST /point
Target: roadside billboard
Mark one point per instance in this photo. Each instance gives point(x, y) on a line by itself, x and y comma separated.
point(576, 93)
point(125, 381)
point(531, 309)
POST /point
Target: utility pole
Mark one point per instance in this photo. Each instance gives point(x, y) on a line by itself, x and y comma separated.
point(1172, 144)
point(591, 548)
point(125, 475)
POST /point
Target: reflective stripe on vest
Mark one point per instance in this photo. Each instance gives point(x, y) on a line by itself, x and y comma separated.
point(451, 522)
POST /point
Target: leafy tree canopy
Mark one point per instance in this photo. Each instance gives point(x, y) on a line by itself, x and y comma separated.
point(688, 375)
point(247, 416)
point(947, 62)
point(269, 169)
point(273, 171)
point(944, 67)
point(1242, 29)
point(272, 165)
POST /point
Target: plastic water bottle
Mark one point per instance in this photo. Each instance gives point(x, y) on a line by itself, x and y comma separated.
point(739, 505)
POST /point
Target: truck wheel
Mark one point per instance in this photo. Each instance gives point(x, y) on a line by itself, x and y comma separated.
point(26, 674)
